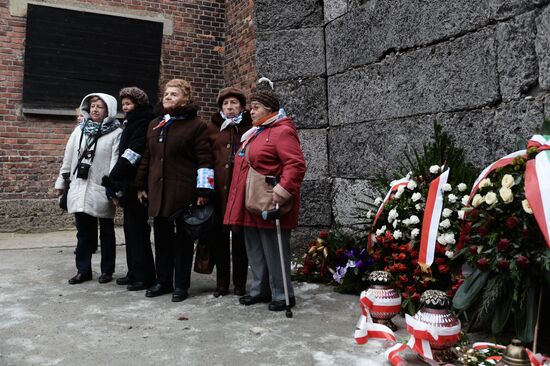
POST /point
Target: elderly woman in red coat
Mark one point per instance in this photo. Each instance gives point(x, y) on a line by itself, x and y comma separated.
point(271, 147)
point(175, 172)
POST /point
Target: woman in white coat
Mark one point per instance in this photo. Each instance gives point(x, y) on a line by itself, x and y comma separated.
point(91, 153)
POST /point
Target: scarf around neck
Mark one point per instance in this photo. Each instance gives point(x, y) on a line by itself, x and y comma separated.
point(91, 128)
point(229, 121)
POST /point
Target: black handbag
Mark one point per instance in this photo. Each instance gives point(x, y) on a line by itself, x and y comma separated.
point(63, 197)
point(197, 221)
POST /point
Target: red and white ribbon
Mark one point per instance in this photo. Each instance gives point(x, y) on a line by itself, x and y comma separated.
point(366, 328)
point(507, 160)
point(393, 188)
point(430, 222)
point(536, 359)
point(537, 189)
point(421, 336)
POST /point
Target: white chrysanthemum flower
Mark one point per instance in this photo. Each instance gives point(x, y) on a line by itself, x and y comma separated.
point(485, 183)
point(418, 207)
point(392, 215)
point(415, 233)
point(399, 192)
point(449, 253)
point(447, 212)
point(395, 223)
point(434, 169)
point(414, 219)
point(445, 224)
point(350, 264)
point(477, 200)
point(406, 222)
point(506, 195)
point(464, 200)
point(462, 187)
point(441, 239)
point(379, 232)
point(369, 214)
point(450, 238)
point(461, 214)
point(378, 201)
point(416, 196)
point(411, 185)
point(447, 187)
point(452, 198)
point(397, 234)
point(507, 181)
point(490, 198)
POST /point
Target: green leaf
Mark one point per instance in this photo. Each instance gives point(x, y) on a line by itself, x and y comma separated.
point(470, 289)
point(502, 313)
point(525, 316)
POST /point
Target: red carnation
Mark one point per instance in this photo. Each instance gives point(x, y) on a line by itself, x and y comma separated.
point(401, 256)
point(522, 261)
point(323, 234)
point(404, 295)
point(443, 269)
point(503, 244)
point(411, 289)
point(415, 297)
point(402, 267)
point(472, 249)
point(481, 231)
point(414, 254)
point(403, 278)
point(404, 248)
point(512, 222)
point(482, 264)
point(503, 264)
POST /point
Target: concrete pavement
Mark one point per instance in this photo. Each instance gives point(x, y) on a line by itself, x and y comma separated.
point(45, 321)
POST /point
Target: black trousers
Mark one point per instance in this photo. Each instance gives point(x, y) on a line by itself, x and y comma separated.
point(86, 235)
point(173, 253)
point(225, 253)
point(137, 233)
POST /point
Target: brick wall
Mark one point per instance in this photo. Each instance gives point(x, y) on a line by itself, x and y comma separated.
point(31, 147)
point(240, 45)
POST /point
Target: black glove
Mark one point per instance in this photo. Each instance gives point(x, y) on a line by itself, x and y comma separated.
point(110, 190)
point(204, 192)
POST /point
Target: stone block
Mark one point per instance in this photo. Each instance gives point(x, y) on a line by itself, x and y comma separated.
point(334, 8)
point(517, 60)
point(542, 45)
point(348, 201)
point(367, 150)
point(315, 207)
point(290, 54)
point(461, 74)
point(485, 135)
point(367, 33)
point(314, 146)
point(504, 9)
point(305, 100)
point(272, 15)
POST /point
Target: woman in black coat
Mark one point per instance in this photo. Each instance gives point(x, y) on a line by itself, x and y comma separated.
point(122, 189)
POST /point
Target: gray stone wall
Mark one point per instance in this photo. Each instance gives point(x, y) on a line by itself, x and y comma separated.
point(366, 79)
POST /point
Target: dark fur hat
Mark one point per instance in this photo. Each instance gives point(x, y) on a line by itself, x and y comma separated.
point(231, 92)
point(264, 94)
point(134, 93)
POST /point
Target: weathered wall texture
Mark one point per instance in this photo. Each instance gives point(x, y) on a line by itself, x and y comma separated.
point(290, 50)
point(365, 80)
